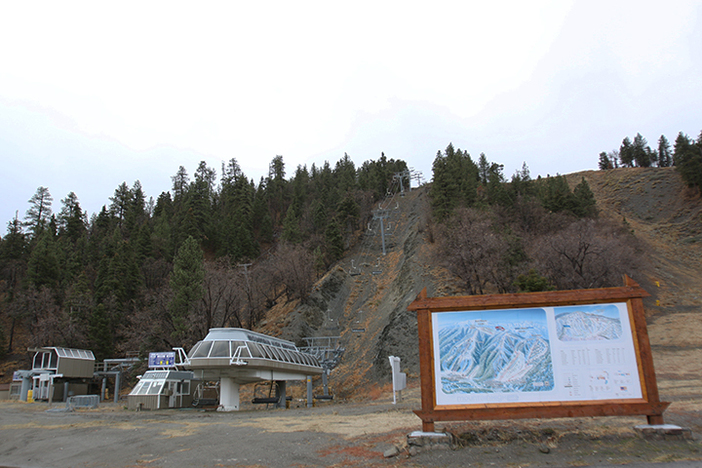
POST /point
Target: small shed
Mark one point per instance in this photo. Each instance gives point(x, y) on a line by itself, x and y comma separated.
point(71, 363)
point(65, 370)
point(161, 389)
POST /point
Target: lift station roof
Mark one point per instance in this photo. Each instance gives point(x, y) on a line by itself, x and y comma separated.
point(248, 356)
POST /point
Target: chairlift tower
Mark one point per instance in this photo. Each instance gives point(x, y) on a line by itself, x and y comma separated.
point(401, 177)
point(328, 351)
point(381, 214)
point(416, 175)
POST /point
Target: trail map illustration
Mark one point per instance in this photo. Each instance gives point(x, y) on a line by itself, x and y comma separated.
point(588, 323)
point(566, 353)
point(494, 352)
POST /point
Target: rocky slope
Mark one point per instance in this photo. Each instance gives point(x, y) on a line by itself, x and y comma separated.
point(368, 311)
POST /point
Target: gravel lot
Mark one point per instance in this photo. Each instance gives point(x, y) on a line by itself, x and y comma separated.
point(333, 434)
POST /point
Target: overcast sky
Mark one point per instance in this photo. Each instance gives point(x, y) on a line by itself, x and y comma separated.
point(93, 94)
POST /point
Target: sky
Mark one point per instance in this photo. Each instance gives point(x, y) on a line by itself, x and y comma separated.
point(94, 94)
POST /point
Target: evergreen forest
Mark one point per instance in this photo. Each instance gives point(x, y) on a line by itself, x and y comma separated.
point(146, 274)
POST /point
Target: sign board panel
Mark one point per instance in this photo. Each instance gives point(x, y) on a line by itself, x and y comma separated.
point(165, 359)
point(568, 353)
point(550, 354)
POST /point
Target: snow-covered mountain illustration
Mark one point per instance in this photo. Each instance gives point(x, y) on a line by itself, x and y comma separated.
point(583, 326)
point(484, 358)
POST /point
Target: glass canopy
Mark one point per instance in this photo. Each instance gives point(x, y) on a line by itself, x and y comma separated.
point(236, 343)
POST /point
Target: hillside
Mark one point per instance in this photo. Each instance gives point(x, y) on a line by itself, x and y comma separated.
point(667, 218)
point(368, 311)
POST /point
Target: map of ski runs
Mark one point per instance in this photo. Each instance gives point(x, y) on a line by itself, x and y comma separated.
point(538, 354)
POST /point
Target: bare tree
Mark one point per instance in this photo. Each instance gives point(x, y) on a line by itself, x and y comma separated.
point(150, 327)
point(223, 297)
point(468, 247)
point(295, 270)
point(586, 254)
point(48, 324)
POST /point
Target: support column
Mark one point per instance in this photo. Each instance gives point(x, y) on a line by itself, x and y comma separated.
point(325, 383)
point(26, 387)
point(310, 397)
point(117, 386)
point(228, 395)
point(280, 393)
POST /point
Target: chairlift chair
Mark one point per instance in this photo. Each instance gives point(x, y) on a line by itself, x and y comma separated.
point(272, 398)
point(354, 269)
point(206, 395)
point(377, 270)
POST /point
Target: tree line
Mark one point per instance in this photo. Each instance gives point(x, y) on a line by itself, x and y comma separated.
point(686, 156)
point(214, 251)
point(522, 234)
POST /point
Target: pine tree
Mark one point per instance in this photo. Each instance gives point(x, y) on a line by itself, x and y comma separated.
point(688, 159)
point(187, 286)
point(334, 242)
point(72, 220)
point(43, 264)
point(291, 227)
point(483, 168)
point(584, 204)
point(555, 194)
point(39, 212)
point(455, 181)
point(120, 202)
point(664, 156)
point(101, 333)
point(641, 152)
point(626, 153)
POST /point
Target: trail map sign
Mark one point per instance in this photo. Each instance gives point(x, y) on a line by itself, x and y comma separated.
point(551, 354)
point(165, 359)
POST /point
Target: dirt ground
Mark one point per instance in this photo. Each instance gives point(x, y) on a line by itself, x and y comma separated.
point(332, 434)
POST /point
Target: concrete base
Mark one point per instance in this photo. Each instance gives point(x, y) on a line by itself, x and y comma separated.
point(228, 395)
point(663, 431)
point(430, 440)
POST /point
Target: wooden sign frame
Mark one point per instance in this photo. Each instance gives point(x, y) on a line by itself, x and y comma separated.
point(631, 294)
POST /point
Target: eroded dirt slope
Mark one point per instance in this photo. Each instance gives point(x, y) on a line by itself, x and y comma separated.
point(369, 313)
point(666, 217)
point(364, 299)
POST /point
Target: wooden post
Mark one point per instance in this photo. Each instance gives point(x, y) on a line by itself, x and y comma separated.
point(644, 351)
point(426, 363)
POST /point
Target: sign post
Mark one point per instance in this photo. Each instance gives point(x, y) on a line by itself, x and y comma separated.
point(399, 379)
point(536, 355)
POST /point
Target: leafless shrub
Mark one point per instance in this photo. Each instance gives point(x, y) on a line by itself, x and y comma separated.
point(150, 327)
point(469, 248)
point(48, 324)
point(294, 270)
point(586, 254)
point(223, 298)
